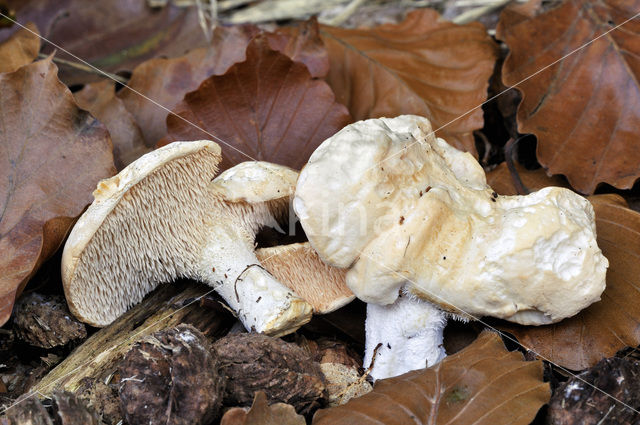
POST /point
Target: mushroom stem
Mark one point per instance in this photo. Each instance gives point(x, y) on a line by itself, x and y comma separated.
point(263, 304)
point(410, 334)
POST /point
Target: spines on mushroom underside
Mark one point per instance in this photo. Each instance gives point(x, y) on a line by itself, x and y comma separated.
point(150, 234)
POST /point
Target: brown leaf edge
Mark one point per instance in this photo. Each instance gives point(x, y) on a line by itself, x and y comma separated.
point(263, 414)
point(613, 322)
point(482, 384)
point(34, 246)
point(267, 108)
point(20, 49)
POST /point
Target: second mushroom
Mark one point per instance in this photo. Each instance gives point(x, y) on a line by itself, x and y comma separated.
point(424, 237)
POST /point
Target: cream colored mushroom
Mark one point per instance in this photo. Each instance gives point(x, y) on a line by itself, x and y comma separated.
point(299, 267)
point(165, 216)
point(409, 214)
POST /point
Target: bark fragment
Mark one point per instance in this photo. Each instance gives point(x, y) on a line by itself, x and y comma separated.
point(45, 321)
point(284, 371)
point(171, 377)
point(597, 395)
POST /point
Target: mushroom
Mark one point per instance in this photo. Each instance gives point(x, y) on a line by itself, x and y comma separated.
point(424, 237)
point(164, 217)
point(300, 268)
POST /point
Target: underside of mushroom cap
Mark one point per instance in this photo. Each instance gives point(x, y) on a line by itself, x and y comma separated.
point(135, 234)
point(299, 267)
point(404, 210)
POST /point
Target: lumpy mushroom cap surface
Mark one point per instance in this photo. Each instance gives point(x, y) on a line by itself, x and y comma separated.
point(404, 210)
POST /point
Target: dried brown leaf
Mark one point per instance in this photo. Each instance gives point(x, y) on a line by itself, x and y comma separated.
point(166, 81)
point(585, 110)
point(53, 154)
point(482, 384)
point(20, 49)
point(612, 323)
point(501, 180)
point(100, 99)
point(263, 414)
point(127, 32)
point(303, 44)
point(265, 108)
point(424, 66)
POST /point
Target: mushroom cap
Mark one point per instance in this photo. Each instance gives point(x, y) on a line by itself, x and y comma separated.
point(256, 181)
point(299, 267)
point(403, 209)
point(135, 234)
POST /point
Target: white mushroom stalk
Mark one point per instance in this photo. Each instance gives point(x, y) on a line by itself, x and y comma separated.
point(406, 212)
point(164, 217)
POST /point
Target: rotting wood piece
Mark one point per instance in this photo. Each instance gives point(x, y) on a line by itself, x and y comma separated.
point(168, 306)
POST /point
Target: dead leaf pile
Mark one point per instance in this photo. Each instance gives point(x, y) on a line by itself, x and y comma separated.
point(275, 95)
point(482, 384)
point(42, 131)
point(585, 109)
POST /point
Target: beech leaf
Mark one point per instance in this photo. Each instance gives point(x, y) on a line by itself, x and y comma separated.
point(424, 66)
point(611, 324)
point(101, 101)
point(482, 384)
point(127, 32)
point(501, 180)
point(585, 109)
point(53, 154)
point(166, 81)
point(20, 49)
point(267, 108)
point(263, 414)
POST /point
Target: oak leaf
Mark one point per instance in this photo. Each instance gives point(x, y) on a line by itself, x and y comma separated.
point(265, 108)
point(263, 414)
point(20, 49)
point(584, 109)
point(482, 384)
point(53, 154)
point(610, 324)
point(424, 66)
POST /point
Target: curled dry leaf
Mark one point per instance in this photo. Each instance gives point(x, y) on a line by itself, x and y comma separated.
point(53, 154)
point(100, 99)
point(20, 49)
point(303, 44)
point(263, 414)
point(424, 66)
point(482, 384)
point(612, 323)
point(585, 109)
point(128, 32)
point(166, 81)
point(502, 181)
point(266, 108)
